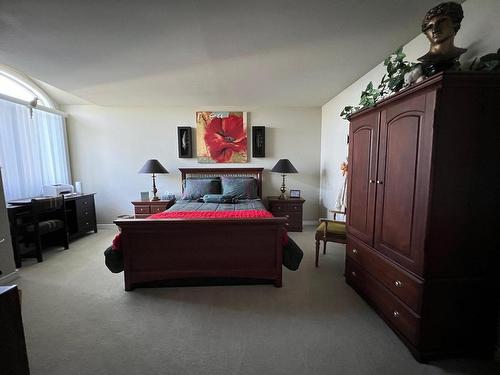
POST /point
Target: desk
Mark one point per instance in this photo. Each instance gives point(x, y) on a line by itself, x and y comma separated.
point(80, 215)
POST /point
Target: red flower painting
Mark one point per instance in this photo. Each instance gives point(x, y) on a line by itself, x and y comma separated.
point(224, 137)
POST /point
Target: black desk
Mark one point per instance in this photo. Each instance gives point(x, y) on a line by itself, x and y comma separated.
point(80, 214)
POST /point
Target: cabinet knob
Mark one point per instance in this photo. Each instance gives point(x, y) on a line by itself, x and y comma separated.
point(398, 283)
point(287, 216)
point(395, 314)
point(354, 251)
point(354, 274)
point(380, 182)
point(371, 181)
point(2, 240)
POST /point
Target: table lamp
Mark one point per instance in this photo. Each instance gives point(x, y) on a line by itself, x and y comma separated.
point(153, 166)
point(284, 166)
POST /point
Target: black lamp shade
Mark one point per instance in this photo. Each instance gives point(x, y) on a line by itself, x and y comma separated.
point(153, 166)
point(284, 166)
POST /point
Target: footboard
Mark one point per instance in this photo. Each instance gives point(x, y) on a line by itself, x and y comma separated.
point(171, 249)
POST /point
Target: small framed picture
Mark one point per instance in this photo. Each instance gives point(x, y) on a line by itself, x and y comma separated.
point(144, 196)
point(259, 141)
point(294, 193)
point(184, 140)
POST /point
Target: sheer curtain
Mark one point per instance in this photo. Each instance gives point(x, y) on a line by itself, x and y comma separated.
point(33, 151)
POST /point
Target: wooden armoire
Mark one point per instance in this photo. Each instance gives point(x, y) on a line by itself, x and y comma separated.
point(423, 233)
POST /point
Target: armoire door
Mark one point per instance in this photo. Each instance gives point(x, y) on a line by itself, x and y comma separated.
point(363, 141)
point(403, 178)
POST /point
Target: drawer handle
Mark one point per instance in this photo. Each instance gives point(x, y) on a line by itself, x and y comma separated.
point(380, 182)
point(396, 314)
point(85, 202)
point(86, 223)
point(398, 283)
point(354, 251)
point(287, 216)
point(371, 181)
point(354, 274)
point(2, 240)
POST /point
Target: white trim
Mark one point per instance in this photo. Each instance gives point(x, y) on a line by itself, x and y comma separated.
point(8, 278)
point(28, 83)
point(27, 104)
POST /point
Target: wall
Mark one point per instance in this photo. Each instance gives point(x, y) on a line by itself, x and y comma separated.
point(108, 145)
point(479, 33)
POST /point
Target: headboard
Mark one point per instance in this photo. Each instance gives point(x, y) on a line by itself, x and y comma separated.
point(230, 172)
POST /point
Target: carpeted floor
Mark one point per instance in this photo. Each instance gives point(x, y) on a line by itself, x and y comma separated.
point(78, 320)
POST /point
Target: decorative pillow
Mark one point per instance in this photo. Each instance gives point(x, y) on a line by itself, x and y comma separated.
point(197, 187)
point(218, 198)
point(240, 187)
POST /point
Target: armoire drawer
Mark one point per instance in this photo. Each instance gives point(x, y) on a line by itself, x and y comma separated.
point(396, 313)
point(405, 286)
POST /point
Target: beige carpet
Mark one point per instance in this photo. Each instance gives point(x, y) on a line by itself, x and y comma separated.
point(79, 320)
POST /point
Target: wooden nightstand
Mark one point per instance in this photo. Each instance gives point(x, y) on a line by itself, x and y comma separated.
point(290, 208)
point(143, 209)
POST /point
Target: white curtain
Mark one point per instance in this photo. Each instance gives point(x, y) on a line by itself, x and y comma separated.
point(33, 151)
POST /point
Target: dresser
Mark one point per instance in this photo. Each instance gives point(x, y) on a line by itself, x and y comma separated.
point(14, 359)
point(291, 208)
point(143, 209)
point(421, 241)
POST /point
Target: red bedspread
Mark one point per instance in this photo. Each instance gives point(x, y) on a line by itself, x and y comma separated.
point(241, 214)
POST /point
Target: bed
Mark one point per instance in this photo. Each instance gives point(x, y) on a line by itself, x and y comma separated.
point(201, 250)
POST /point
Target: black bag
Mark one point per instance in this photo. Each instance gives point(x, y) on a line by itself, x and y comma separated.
point(292, 255)
point(113, 260)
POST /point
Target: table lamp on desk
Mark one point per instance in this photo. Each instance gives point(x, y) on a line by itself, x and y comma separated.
point(153, 166)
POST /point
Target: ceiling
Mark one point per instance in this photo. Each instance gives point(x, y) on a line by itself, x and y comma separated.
point(202, 53)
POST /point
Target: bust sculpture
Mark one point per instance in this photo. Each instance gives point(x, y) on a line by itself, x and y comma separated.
point(440, 25)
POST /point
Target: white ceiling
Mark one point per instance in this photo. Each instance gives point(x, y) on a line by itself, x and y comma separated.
point(203, 53)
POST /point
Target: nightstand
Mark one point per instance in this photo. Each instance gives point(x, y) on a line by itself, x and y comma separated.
point(143, 209)
point(290, 208)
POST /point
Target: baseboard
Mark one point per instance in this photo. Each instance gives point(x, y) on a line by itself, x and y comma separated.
point(8, 278)
point(106, 226)
point(310, 222)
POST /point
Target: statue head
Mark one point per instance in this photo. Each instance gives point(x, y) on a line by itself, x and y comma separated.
point(442, 22)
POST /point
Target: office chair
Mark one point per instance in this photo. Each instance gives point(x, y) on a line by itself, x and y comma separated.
point(48, 219)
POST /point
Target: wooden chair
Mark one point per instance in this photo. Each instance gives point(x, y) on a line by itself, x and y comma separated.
point(48, 218)
point(330, 231)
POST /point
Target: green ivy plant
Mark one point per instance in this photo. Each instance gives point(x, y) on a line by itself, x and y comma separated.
point(487, 63)
point(391, 82)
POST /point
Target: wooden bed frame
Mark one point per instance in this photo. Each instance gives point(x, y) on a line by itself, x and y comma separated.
point(158, 250)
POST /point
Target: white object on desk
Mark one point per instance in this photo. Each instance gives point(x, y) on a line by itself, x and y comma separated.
point(78, 187)
point(57, 189)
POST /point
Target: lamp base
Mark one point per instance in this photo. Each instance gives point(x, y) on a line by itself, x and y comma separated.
point(155, 198)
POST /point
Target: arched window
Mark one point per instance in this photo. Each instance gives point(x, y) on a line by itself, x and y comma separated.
point(33, 144)
point(18, 86)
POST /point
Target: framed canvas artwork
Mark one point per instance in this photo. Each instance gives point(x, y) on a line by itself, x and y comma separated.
point(221, 137)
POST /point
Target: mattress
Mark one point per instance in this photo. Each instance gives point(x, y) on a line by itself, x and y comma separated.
point(244, 204)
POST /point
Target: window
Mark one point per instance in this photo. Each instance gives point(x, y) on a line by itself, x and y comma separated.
point(33, 145)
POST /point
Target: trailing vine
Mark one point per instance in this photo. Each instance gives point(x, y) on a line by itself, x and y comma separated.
point(392, 81)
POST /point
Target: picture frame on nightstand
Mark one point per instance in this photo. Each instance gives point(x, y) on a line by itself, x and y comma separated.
point(294, 193)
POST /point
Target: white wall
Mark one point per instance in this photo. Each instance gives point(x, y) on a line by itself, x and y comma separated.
point(479, 33)
point(108, 145)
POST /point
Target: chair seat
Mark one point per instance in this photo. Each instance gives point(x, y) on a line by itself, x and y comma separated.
point(334, 227)
point(47, 226)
